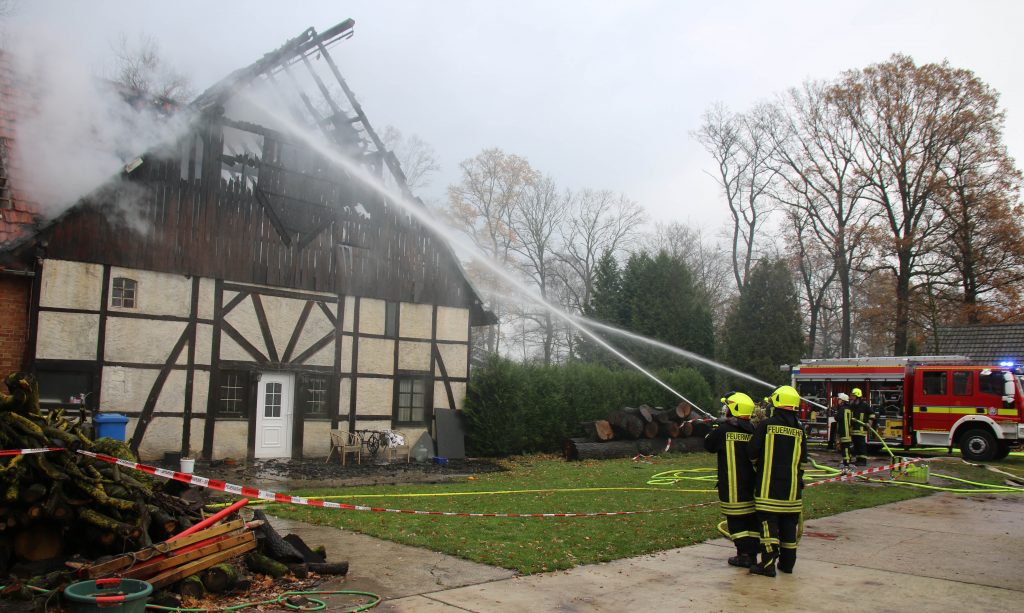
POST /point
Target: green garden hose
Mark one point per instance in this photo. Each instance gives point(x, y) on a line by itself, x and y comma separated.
point(318, 605)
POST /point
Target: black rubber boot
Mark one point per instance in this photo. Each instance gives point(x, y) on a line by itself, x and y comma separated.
point(766, 567)
point(787, 560)
point(742, 560)
point(861, 462)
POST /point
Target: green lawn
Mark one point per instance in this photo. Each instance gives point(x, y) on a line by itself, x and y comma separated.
point(531, 545)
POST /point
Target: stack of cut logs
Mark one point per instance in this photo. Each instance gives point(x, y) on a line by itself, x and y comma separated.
point(643, 430)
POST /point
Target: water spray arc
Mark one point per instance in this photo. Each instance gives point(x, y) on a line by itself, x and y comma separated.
point(423, 216)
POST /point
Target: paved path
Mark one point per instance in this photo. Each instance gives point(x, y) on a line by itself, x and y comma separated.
point(940, 553)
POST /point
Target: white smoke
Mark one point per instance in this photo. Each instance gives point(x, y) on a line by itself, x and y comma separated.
point(74, 132)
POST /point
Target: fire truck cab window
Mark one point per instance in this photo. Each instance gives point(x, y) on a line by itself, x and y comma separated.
point(991, 383)
point(934, 383)
point(962, 383)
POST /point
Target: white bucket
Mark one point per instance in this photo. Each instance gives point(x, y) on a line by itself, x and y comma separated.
point(187, 464)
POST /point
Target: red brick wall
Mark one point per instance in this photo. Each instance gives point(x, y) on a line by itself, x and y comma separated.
point(14, 293)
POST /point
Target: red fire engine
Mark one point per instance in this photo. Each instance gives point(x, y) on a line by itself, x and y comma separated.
point(922, 401)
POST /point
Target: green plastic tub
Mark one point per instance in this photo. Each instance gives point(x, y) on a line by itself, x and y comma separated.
point(108, 596)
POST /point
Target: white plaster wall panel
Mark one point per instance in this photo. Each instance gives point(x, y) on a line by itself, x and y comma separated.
point(157, 293)
point(415, 320)
point(163, 434)
point(230, 350)
point(440, 400)
point(456, 360)
point(67, 336)
point(172, 394)
point(316, 439)
point(323, 357)
point(207, 295)
point(376, 356)
point(200, 391)
point(196, 437)
point(230, 439)
point(71, 285)
point(349, 314)
point(459, 391)
point(317, 326)
point(371, 316)
point(452, 324)
point(373, 397)
point(441, 396)
point(414, 356)
point(142, 341)
point(344, 396)
point(229, 295)
point(204, 344)
point(346, 354)
point(243, 319)
point(282, 315)
point(371, 424)
point(126, 389)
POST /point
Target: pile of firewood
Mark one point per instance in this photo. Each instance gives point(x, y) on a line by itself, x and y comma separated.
point(65, 516)
point(59, 503)
point(642, 430)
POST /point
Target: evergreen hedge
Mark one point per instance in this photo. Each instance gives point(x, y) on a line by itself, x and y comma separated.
point(514, 408)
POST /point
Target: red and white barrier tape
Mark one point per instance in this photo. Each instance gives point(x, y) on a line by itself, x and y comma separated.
point(250, 492)
point(861, 473)
point(7, 452)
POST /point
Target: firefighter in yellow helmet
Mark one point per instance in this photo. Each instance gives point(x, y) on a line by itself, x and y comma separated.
point(729, 438)
point(861, 417)
point(844, 414)
point(778, 448)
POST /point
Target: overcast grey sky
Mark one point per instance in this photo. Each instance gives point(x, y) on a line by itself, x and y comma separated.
point(596, 94)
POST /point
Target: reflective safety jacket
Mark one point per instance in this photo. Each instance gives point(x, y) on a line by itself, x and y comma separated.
point(844, 422)
point(736, 478)
point(777, 448)
point(861, 411)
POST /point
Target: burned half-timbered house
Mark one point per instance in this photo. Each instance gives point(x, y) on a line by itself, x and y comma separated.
point(242, 291)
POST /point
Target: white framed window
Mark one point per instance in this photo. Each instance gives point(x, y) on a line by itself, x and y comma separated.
point(124, 293)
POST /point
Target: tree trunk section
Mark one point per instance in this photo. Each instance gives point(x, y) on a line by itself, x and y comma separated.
point(220, 578)
point(580, 449)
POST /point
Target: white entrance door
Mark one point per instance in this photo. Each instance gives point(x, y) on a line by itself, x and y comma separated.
point(274, 415)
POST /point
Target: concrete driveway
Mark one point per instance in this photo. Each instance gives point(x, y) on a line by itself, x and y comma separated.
point(940, 553)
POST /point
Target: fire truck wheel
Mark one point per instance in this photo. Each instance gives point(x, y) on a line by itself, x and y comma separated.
point(978, 445)
point(1002, 450)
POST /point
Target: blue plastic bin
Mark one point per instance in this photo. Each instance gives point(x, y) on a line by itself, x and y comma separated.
point(110, 425)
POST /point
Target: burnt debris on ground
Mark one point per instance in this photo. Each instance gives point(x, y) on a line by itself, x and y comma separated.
point(284, 474)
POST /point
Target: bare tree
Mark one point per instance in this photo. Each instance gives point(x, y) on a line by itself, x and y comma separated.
point(815, 147)
point(536, 222)
point(598, 221)
point(908, 120)
point(483, 205)
point(141, 71)
point(417, 158)
point(815, 270)
point(982, 229)
point(742, 151)
point(707, 260)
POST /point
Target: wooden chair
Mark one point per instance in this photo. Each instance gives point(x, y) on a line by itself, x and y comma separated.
point(345, 442)
point(398, 451)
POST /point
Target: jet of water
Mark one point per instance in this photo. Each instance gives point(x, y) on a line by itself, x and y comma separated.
point(422, 215)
